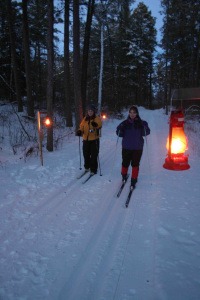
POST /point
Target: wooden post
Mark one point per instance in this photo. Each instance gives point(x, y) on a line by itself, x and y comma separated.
point(40, 137)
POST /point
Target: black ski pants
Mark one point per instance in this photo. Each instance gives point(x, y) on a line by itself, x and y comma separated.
point(132, 157)
point(90, 153)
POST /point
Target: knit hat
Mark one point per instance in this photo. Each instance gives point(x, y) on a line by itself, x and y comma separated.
point(91, 107)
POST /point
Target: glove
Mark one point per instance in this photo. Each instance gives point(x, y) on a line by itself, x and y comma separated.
point(79, 133)
point(120, 133)
point(94, 124)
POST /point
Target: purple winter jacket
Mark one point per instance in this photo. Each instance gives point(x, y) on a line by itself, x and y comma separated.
point(132, 133)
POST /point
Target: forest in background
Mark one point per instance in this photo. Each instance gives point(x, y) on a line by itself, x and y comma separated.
point(110, 56)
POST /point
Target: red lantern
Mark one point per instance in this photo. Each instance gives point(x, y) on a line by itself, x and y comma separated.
point(176, 143)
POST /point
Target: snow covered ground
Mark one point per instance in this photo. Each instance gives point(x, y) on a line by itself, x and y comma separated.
point(61, 239)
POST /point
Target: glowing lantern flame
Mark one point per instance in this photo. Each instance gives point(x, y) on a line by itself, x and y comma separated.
point(47, 122)
point(179, 141)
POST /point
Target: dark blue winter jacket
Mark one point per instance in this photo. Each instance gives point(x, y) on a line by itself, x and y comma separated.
point(132, 132)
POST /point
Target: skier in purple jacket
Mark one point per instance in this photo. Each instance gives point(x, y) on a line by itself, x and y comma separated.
point(132, 130)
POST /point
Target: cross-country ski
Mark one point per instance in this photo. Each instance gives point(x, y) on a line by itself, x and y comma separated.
point(82, 174)
point(129, 196)
point(122, 186)
point(88, 178)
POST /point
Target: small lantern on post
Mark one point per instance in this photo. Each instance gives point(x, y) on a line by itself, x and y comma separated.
point(42, 121)
point(176, 159)
point(47, 122)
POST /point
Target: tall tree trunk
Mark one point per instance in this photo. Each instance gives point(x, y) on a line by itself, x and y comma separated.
point(14, 56)
point(113, 71)
point(77, 64)
point(67, 79)
point(86, 52)
point(166, 61)
point(50, 55)
point(27, 60)
point(101, 72)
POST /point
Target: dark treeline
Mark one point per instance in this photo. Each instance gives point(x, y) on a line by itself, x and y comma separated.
point(34, 73)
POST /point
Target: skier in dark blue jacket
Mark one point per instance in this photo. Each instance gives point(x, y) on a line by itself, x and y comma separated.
point(132, 130)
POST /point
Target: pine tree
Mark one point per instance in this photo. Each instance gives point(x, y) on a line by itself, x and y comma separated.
point(77, 64)
point(67, 77)
point(181, 41)
point(50, 56)
point(142, 49)
point(26, 43)
point(10, 10)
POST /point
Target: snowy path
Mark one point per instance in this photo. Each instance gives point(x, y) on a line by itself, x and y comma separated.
point(61, 239)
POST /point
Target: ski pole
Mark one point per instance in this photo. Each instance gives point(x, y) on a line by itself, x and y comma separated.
point(98, 159)
point(80, 152)
point(147, 153)
point(99, 165)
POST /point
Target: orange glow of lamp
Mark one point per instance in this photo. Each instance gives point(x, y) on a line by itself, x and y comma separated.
point(47, 122)
point(176, 143)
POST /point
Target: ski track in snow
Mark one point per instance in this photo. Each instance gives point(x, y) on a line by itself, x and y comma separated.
point(61, 239)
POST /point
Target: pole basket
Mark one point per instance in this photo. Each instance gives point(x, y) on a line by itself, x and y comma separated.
point(176, 162)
